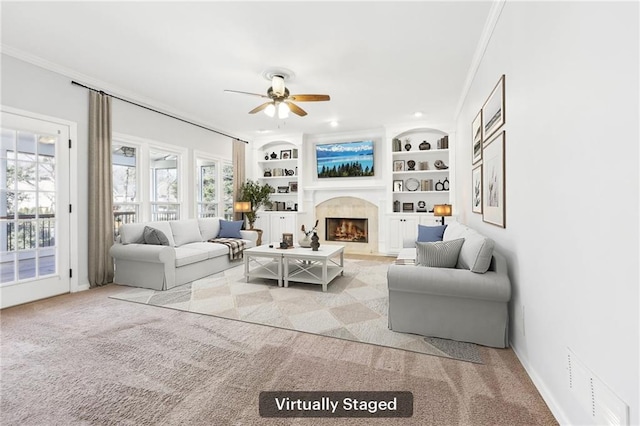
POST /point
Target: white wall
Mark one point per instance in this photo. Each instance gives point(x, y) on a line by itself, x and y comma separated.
point(571, 152)
point(32, 88)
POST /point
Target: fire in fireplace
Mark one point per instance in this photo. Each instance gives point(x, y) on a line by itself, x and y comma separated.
point(346, 229)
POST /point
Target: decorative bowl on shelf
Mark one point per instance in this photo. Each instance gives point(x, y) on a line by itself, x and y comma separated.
point(412, 184)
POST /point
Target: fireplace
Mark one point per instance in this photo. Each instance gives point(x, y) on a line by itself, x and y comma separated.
point(346, 229)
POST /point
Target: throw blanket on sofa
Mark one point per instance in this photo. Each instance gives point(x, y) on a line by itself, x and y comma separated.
point(235, 245)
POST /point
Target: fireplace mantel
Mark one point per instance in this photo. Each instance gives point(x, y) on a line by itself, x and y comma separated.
point(346, 188)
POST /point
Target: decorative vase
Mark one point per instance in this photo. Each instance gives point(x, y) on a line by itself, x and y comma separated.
point(407, 146)
point(315, 243)
point(305, 241)
point(274, 155)
point(424, 146)
point(445, 184)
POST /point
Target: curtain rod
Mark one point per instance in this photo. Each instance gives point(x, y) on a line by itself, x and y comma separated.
point(159, 112)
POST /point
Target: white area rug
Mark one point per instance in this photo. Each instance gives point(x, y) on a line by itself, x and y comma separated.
point(353, 308)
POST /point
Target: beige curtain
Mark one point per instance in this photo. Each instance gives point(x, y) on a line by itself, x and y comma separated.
point(238, 172)
point(100, 190)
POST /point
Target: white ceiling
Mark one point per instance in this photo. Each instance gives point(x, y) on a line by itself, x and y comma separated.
point(379, 61)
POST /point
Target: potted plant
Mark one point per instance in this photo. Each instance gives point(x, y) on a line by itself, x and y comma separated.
point(259, 195)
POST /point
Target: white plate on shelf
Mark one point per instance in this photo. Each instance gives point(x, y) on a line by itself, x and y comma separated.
point(412, 184)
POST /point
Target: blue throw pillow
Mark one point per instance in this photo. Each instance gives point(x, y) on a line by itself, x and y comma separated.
point(430, 234)
point(230, 229)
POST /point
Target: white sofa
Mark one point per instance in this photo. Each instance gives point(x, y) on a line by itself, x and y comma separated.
point(188, 257)
point(467, 303)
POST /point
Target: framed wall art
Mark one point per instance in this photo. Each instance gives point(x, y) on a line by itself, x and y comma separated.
point(476, 132)
point(493, 111)
point(493, 181)
point(476, 189)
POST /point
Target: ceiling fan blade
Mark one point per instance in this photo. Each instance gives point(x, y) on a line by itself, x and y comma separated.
point(260, 107)
point(296, 109)
point(309, 98)
point(246, 93)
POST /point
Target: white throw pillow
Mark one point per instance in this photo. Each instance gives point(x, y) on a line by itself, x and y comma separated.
point(209, 227)
point(185, 231)
point(477, 250)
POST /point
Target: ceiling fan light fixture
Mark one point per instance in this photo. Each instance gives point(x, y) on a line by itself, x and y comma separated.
point(283, 110)
point(277, 84)
point(270, 110)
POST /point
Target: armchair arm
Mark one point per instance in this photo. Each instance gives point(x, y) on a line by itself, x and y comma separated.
point(144, 253)
point(449, 282)
point(249, 234)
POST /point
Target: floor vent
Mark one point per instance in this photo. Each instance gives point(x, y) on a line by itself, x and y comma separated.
point(594, 396)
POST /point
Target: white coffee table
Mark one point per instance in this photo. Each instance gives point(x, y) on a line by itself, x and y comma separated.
point(263, 262)
point(314, 267)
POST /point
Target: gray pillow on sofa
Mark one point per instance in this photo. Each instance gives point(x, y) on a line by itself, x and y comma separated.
point(154, 236)
point(440, 254)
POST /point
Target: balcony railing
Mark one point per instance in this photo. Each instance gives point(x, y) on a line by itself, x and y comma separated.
point(22, 234)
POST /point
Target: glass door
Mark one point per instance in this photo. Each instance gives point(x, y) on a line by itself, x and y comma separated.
point(34, 209)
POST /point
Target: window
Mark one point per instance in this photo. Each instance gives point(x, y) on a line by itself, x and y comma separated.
point(214, 195)
point(165, 204)
point(227, 183)
point(126, 206)
point(147, 181)
point(207, 188)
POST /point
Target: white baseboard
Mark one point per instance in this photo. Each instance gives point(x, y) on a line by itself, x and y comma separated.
point(81, 287)
point(546, 394)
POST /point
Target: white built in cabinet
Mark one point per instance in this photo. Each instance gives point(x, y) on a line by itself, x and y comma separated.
point(274, 224)
point(416, 184)
point(405, 227)
point(278, 166)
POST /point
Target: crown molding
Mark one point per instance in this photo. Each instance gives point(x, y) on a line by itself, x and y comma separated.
point(485, 38)
point(101, 85)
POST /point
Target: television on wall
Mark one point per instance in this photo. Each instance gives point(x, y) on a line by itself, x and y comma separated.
point(345, 159)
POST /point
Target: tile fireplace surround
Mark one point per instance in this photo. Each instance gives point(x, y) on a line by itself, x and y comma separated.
point(350, 207)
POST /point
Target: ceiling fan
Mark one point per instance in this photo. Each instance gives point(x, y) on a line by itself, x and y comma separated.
point(280, 100)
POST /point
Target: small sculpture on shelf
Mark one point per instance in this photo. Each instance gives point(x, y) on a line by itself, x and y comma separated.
point(424, 146)
point(439, 164)
point(267, 172)
point(274, 156)
point(407, 144)
point(411, 164)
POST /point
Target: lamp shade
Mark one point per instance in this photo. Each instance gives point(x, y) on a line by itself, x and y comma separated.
point(442, 210)
point(242, 206)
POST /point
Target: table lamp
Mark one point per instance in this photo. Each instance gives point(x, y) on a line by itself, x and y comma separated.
point(442, 210)
point(242, 207)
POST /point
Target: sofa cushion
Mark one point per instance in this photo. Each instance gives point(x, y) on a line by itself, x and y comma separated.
point(186, 256)
point(230, 229)
point(185, 231)
point(154, 236)
point(209, 227)
point(212, 249)
point(476, 251)
point(430, 233)
point(439, 254)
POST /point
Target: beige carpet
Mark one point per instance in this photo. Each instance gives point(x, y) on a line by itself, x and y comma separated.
point(86, 359)
point(354, 307)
